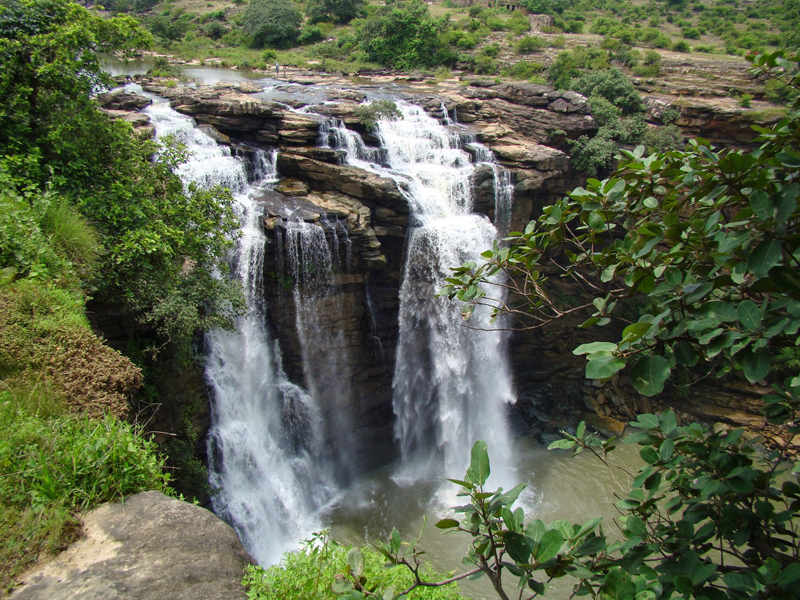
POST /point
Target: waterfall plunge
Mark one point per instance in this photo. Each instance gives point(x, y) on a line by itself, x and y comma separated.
point(451, 383)
point(267, 464)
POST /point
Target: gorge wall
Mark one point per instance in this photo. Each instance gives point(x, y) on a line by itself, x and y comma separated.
point(366, 218)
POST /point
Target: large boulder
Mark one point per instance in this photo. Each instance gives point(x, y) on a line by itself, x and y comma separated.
point(150, 547)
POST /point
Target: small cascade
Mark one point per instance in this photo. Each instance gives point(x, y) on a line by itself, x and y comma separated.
point(451, 383)
point(334, 134)
point(267, 463)
point(503, 188)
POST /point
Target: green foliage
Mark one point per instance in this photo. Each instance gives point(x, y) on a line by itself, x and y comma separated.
point(310, 35)
point(548, 7)
point(524, 70)
point(377, 110)
point(338, 11)
point(610, 84)
point(708, 238)
point(403, 35)
point(745, 100)
point(44, 69)
point(529, 44)
point(273, 23)
point(159, 245)
point(326, 570)
point(570, 64)
point(681, 46)
point(53, 466)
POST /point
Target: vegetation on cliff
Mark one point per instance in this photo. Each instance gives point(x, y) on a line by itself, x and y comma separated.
point(85, 212)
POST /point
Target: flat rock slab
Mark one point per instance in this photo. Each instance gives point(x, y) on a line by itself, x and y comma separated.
point(150, 547)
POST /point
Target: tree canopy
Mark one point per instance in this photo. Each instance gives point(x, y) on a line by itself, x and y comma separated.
point(402, 35)
point(273, 23)
point(159, 246)
point(337, 11)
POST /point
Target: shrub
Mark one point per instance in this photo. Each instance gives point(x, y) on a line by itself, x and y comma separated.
point(569, 64)
point(530, 44)
point(269, 55)
point(338, 11)
point(610, 84)
point(369, 114)
point(310, 35)
point(403, 36)
point(491, 50)
point(214, 30)
point(308, 573)
point(680, 46)
point(745, 100)
point(524, 70)
point(272, 23)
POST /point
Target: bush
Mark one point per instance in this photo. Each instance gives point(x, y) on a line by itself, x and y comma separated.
point(403, 36)
point(338, 11)
point(610, 84)
point(308, 573)
point(524, 70)
point(491, 50)
point(369, 114)
point(745, 100)
point(214, 30)
point(681, 46)
point(310, 35)
point(569, 64)
point(530, 44)
point(272, 23)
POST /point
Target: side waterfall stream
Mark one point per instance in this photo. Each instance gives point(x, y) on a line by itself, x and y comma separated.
point(271, 464)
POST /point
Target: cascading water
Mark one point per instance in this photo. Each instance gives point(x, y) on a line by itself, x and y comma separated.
point(267, 463)
point(503, 188)
point(313, 256)
point(450, 382)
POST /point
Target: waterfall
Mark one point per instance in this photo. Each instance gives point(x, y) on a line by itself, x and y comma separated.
point(503, 188)
point(451, 383)
point(267, 462)
point(313, 257)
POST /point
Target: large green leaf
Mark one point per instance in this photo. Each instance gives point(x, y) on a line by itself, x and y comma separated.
point(755, 363)
point(685, 354)
point(765, 256)
point(649, 374)
point(518, 547)
point(749, 314)
point(603, 367)
point(593, 347)
point(551, 543)
point(479, 465)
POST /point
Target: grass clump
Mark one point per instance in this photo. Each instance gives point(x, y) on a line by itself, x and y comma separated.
point(308, 573)
point(54, 466)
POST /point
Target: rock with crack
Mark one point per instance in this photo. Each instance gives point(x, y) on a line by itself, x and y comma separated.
point(150, 547)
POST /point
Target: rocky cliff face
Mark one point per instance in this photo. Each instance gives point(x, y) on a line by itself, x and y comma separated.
point(366, 218)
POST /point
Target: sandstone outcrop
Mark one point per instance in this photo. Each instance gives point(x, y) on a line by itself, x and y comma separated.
point(149, 547)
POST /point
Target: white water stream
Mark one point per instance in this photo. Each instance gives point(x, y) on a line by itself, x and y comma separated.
point(267, 464)
point(451, 383)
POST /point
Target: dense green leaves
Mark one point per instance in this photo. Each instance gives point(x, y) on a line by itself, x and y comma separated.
point(274, 23)
point(709, 240)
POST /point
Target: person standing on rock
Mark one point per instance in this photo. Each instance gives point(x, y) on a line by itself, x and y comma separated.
point(277, 69)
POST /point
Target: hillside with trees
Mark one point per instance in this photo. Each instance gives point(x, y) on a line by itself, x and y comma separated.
point(687, 254)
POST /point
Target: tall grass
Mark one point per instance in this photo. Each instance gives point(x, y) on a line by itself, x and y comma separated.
point(54, 467)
